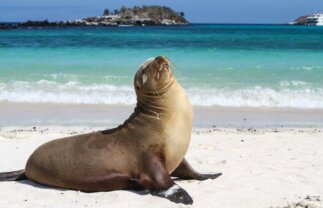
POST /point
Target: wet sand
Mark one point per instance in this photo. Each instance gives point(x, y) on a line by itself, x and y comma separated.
point(26, 114)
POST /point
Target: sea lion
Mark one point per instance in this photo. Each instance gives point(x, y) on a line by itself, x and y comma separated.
point(142, 153)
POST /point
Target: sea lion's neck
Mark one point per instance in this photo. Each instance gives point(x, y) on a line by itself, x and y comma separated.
point(158, 92)
point(160, 101)
point(150, 110)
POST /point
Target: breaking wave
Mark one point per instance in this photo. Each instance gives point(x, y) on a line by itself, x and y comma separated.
point(45, 91)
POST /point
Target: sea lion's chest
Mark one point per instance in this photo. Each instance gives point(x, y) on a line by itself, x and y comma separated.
point(177, 136)
point(167, 122)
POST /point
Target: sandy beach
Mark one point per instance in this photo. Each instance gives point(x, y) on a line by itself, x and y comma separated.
point(257, 108)
point(255, 84)
point(262, 167)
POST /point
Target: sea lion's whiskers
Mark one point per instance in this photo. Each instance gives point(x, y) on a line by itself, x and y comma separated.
point(171, 66)
point(175, 71)
point(159, 70)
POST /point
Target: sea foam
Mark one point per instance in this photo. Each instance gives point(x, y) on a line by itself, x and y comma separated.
point(68, 93)
point(45, 91)
point(257, 97)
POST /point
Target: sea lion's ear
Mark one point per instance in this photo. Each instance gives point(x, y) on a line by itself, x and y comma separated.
point(137, 85)
point(137, 82)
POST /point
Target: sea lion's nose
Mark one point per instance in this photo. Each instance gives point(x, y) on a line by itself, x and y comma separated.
point(163, 63)
point(161, 59)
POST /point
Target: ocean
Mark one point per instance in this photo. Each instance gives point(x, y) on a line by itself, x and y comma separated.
point(277, 66)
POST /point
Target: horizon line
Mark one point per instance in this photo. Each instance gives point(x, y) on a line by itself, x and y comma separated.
point(190, 23)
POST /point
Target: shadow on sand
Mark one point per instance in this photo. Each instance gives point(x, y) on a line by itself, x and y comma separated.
point(40, 186)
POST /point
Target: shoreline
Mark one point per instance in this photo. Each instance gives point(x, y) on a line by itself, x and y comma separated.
point(29, 114)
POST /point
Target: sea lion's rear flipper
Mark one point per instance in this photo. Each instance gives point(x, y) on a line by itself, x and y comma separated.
point(13, 176)
point(157, 180)
point(185, 171)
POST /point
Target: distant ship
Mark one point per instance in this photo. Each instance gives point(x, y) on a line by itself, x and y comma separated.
point(315, 19)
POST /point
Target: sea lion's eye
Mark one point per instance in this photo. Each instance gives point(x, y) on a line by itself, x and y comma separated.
point(144, 78)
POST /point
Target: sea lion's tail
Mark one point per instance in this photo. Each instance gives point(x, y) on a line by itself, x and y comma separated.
point(13, 176)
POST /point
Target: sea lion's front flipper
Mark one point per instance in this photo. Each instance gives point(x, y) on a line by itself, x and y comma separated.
point(175, 194)
point(157, 180)
point(185, 171)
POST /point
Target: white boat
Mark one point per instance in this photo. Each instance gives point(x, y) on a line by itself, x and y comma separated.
point(315, 19)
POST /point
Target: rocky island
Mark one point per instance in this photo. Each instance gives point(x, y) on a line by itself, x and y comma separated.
point(139, 16)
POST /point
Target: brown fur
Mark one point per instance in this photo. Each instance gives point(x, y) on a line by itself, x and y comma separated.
point(155, 137)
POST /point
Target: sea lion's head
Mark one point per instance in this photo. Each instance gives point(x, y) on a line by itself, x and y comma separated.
point(154, 76)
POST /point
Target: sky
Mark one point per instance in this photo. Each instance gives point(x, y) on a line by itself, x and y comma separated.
point(196, 11)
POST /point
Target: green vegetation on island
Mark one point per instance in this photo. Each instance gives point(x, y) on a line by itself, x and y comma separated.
point(153, 14)
point(141, 16)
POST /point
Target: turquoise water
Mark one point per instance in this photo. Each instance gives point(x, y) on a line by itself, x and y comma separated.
point(218, 65)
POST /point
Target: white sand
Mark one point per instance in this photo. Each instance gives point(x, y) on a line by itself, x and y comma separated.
point(261, 168)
